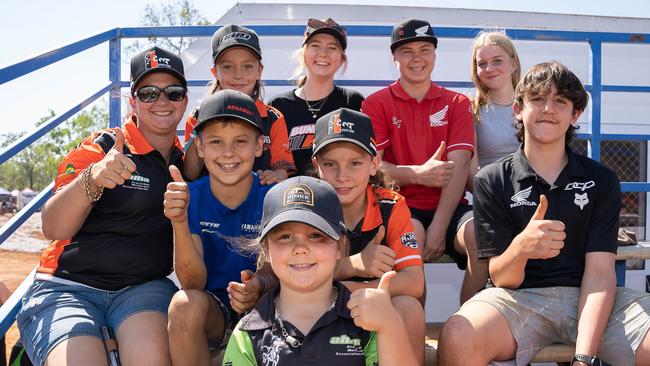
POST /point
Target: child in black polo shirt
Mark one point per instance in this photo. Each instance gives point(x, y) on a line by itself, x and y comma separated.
point(310, 318)
point(547, 219)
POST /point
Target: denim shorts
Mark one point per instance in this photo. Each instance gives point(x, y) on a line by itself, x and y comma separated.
point(539, 317)
point(53, 312)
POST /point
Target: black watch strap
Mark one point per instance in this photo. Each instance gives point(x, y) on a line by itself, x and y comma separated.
point(589, 360)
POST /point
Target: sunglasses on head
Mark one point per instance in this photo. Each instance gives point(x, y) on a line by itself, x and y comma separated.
point(314, 24)
point(150, 94)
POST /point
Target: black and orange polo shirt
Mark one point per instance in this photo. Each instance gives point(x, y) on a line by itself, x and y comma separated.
point(126, 239)
point(399, 234)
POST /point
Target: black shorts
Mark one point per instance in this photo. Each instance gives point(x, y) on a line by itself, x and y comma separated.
point(230, 318)
point(461, 215)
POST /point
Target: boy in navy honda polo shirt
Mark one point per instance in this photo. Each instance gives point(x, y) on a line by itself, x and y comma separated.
point(547, 219)
point(208, 217)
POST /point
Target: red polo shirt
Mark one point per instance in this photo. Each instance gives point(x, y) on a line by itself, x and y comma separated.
point(409, 132)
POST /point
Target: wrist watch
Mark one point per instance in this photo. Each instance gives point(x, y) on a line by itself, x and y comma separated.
point(589, 360)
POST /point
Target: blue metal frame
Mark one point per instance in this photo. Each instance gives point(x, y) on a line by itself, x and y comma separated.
point(114, 36)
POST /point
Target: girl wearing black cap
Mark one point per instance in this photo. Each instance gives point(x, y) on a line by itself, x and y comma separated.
point(311, 318)
point(112, 245)
point(322, 54)
point(237, 58)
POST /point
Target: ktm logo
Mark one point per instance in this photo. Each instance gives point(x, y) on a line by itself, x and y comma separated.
point(335, 125)
point(153, 60)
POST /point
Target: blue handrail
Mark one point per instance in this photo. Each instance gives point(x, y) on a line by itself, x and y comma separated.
point(114, 36)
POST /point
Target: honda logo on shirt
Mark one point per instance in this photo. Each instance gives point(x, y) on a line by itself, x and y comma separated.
point(438, 119)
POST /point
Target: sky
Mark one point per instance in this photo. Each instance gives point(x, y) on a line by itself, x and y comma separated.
point(31, 27)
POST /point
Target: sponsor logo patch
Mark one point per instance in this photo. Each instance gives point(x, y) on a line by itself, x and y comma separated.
point(521, 198)
point(438, 119)
point(581, 186)
point(581, 200)
point(298, 194)
point(408, 240)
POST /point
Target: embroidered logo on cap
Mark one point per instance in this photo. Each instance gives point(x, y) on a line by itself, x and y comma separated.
point(235, 35)
point(422, 31)
point(152, 61)
point(336, 126)
point(237, 108)
point(298, 194)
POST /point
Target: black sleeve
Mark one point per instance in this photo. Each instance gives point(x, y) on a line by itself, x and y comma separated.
point(494, 229)
point(603, 227)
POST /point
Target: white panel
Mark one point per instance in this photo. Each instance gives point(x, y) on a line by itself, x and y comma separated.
point(626, 64)
point(443, 282)
point(626, 113)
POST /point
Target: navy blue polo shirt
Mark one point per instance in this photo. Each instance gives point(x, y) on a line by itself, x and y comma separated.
point(333, 340)
point(586, 197)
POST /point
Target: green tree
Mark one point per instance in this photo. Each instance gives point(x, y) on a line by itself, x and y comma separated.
point(36, 166)
point(179, 13)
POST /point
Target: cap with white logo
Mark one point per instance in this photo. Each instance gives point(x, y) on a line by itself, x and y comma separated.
point(156, 59)
point(412, 30)
point(233, 35)
point(346, 125)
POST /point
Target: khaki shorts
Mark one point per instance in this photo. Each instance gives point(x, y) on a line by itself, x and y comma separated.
point(539, 317)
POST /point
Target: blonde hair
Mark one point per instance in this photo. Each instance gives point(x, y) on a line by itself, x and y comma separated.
point(258, 89)
point(299, 75)
point(501, 40)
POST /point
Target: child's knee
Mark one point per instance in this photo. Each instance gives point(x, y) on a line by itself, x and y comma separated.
point(187, 306)
point(409, 309)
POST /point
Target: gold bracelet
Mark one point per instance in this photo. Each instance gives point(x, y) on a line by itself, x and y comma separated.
point(84, 181)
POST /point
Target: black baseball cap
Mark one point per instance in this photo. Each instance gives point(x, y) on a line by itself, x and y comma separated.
point(233, 35)
point(228, 103)
point(411, 31)
point(307, 200)
point(156, 59)
point(327, 26)
point(347, 125)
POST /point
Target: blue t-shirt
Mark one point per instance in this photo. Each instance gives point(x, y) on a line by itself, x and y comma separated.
point(214, 223)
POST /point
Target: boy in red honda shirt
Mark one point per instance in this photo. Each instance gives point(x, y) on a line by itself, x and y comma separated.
point(425, 137)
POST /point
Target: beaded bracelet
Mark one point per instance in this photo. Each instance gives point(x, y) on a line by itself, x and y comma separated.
point(84, 182)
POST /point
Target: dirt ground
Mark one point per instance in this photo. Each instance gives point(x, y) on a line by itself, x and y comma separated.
point(14, 267)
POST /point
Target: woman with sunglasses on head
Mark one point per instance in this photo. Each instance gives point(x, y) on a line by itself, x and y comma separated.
point(237, 65)
point(322, 54)
point(112, 245)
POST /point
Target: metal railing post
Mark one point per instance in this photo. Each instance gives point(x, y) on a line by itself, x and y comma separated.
point(596, 90)
point(114, 73)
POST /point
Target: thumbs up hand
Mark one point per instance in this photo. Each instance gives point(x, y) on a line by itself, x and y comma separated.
point(542, 238)
point(435, 172)
point(115, 168)
point(375, 259)
point(176, 198)
point(371, 308)
point(243, 295)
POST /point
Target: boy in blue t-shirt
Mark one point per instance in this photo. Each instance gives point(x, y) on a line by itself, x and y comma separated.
point(207, 217)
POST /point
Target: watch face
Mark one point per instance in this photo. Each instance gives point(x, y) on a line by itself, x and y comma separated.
point(589, 360)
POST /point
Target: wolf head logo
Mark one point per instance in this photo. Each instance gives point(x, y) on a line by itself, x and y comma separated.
point(581, 200)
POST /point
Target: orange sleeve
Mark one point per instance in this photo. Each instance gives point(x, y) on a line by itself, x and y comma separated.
point(77, 160)
point(190, 122)
point(401, 238)
point(281, 156)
